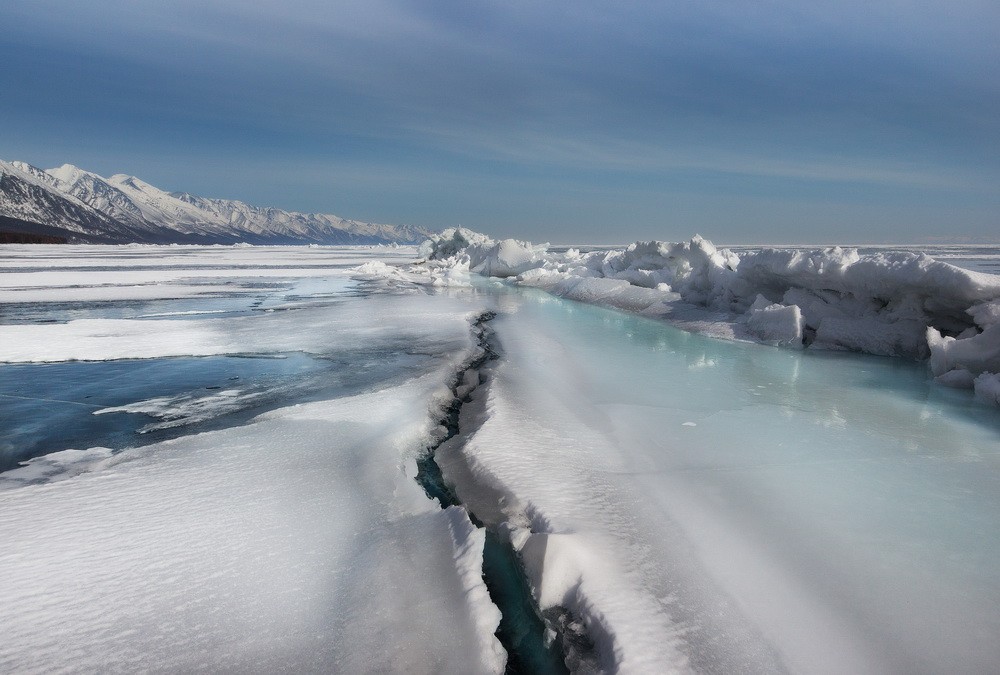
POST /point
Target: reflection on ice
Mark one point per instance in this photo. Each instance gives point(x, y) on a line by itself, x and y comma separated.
point(833, 508)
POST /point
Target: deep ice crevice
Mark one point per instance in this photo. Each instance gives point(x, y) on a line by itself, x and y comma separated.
point(570, 621)
point(526, 637)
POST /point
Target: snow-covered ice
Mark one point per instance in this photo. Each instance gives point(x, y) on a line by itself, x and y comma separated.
point(297, 542)
point(61, 274)
point(678, 503)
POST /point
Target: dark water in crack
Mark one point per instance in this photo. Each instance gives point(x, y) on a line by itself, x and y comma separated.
point(521, 632)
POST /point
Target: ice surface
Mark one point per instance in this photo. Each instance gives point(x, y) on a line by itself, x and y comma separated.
point(725, 508)
point(297, 542)
point(55, 466)
point(319, 331)
point(105, 273)
point(46, 407)
point(687, 504)
point(189, 408)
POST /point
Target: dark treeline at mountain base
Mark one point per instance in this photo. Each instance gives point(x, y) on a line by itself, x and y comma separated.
point(14, 231)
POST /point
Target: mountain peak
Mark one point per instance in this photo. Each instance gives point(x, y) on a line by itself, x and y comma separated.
point(33, 174)
point(125, 179)
point(67, 173)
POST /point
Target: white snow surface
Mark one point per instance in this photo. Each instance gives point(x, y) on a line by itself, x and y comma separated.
point(886, 302)
point(299, 542)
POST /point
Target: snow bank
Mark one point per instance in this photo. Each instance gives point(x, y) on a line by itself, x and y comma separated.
point(449, 243)
point(774, 323)
point(891, 303)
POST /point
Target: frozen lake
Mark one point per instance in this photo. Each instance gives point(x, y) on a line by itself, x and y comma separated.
point(244, 425)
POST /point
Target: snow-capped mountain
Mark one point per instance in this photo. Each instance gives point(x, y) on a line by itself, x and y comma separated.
point(84, 207)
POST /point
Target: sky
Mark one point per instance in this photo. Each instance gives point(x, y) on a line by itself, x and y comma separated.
point(572, 122)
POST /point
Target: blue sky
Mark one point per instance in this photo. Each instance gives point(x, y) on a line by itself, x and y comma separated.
point(564, 121)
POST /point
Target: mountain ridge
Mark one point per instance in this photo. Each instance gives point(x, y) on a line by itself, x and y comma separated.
point(85, 207)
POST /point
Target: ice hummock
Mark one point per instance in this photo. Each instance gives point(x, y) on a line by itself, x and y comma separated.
point(892, 303)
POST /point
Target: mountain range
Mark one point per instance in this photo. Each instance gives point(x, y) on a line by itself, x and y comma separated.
point(83, 207)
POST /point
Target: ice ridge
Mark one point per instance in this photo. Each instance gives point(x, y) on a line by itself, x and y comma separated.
point(890, 303)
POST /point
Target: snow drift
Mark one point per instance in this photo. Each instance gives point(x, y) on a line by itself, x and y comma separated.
point(890, 303)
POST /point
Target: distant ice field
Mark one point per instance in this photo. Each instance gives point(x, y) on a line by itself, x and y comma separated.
point(209, 461)
point(978, 258)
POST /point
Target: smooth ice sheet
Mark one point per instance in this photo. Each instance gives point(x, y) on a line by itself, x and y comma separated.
point(728, 507)
point(59, 274)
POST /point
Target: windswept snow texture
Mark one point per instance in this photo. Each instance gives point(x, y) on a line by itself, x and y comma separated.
point(297, 541)
point(885, 302)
